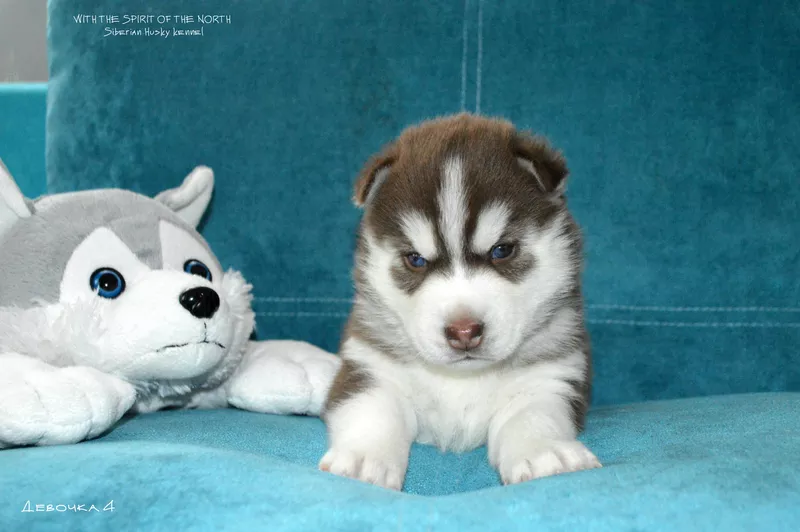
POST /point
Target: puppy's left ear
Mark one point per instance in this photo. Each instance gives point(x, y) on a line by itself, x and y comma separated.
point(373, 175)
point(191, 199)
point(546, 165)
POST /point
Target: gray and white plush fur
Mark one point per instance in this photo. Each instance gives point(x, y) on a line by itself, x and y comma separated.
point(75, 355)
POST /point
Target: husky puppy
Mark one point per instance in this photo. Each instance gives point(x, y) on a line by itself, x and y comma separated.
point(467, 327)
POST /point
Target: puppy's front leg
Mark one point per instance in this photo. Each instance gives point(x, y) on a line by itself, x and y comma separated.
point(534, 437)
point(369, 436)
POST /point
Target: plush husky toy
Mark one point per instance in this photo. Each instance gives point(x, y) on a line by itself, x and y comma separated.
point(111, 301)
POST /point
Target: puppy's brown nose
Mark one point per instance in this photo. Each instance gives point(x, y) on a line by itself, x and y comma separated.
point(464, 334)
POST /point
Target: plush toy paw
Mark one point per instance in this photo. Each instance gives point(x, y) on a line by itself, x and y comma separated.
point(544, 458)
point(45, 405)
point(283, 377)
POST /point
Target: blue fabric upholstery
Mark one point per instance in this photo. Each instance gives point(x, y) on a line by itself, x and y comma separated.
point(679, 121)
point(22, 127)
point(720, 463)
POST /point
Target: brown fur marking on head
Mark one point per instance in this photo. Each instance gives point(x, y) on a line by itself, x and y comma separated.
point(490, 148)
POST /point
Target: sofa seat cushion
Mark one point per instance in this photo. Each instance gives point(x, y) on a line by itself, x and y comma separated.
point(724, 463)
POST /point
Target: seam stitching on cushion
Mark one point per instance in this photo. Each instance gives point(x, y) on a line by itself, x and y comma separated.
point(464, 40)
point(479, 64)
point(598, 306)
point(692, 309)
point(705, 324)
point(699, 324)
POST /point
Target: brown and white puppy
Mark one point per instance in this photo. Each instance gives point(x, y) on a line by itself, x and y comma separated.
point(467, 326)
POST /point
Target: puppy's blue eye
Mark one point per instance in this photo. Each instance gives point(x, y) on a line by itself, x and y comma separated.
point(502, 251)
point(195, 267)
point(107, 283)
point(416, 261)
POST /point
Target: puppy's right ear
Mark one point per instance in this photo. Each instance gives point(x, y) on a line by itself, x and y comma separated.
point(373, 175)
point(12, 203)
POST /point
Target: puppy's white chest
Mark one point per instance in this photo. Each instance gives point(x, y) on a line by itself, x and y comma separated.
point(453, 413)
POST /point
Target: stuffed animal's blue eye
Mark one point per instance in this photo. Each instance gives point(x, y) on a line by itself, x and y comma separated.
point(416, 261)
point(107, 283)
point(502, 251)
point(195, 267)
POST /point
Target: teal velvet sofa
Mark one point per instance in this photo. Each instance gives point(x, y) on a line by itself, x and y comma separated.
point(680, 123)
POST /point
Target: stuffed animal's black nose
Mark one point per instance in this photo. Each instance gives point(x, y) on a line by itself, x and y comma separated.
point(201, 302)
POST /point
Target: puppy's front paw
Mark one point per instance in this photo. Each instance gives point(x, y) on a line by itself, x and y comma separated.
point(375, 467)
point(543, 458)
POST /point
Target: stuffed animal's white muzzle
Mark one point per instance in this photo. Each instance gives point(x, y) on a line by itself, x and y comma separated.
point(166, 325)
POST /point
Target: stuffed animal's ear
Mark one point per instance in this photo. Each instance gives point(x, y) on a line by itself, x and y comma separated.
point(546, 165)
point(373, 175)
point(191, 199)
point(12, 203)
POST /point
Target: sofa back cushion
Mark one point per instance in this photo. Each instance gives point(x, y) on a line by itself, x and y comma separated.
point(679, 120)
point(22, 134)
